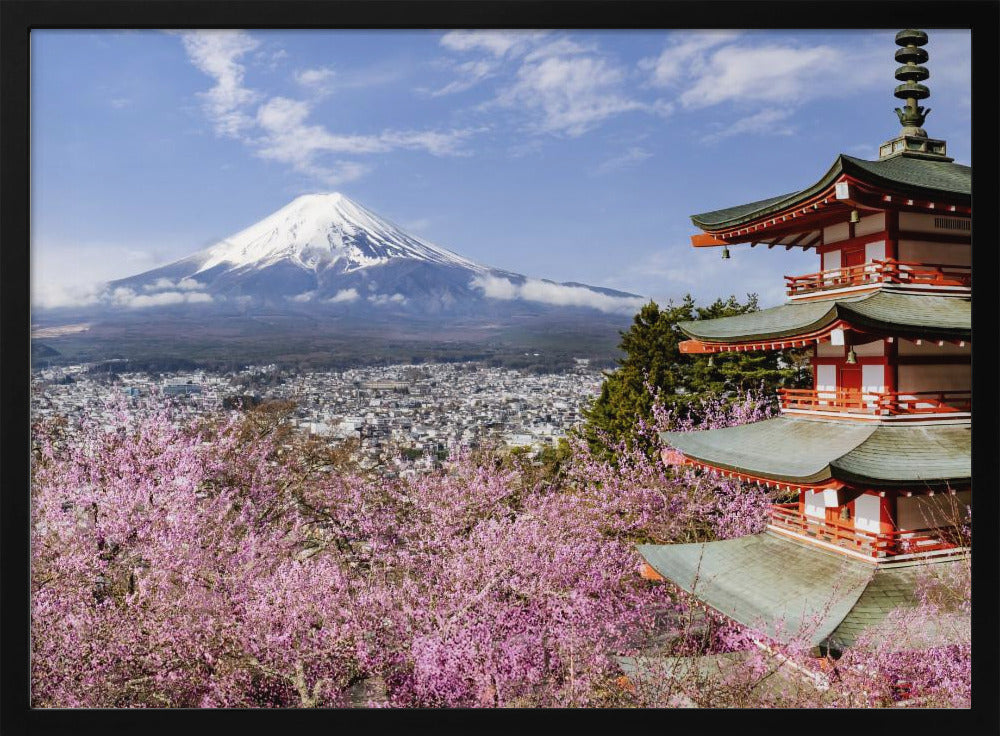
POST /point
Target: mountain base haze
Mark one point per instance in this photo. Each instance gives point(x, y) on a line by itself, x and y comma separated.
point(325, 281)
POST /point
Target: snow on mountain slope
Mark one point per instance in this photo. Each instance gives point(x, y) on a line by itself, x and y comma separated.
point(328, 251)
point(319, 231)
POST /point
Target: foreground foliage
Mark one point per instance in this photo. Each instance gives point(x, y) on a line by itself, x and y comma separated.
point(235, 563)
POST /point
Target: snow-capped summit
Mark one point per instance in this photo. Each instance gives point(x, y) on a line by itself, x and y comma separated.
point(317, 231)
point(327, 251)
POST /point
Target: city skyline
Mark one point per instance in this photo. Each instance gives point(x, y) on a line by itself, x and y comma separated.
point(573, 156)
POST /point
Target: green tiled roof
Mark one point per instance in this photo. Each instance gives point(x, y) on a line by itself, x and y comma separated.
point(910, 175)
point(800, 450)
point(929, 454)
point(906, 315)
point(766, 582)
point(785, 588)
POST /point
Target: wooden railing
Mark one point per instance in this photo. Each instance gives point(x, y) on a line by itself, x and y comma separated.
point(889, 271)
point(872, 544)
point(888, 403)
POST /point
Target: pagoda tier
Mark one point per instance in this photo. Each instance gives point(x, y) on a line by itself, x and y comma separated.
point(794, 592)
point(879, 314)
point(793, 452)
point(902, 185)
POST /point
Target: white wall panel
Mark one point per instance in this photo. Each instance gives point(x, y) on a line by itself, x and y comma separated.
point(934, 377)
point(873, 378)
point(836, 233)
point(928, 512)
point(916, 251)
point(870, 224)
point(866, 513)
point(814, 505)
point(875, 251)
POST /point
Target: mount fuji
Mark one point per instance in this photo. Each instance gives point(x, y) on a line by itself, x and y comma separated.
point(324, 280)
point(325, 251)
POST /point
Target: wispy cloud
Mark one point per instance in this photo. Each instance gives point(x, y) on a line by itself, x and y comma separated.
point(496, 43)
point(555, 84)
point(712, 68)
point(769, 121)
point(684, 57)
point(547, 292)
point(128, 298)
point(218, 54)
point(316, 80)
point(344, 295)
point(632, 157)
point(277, 128)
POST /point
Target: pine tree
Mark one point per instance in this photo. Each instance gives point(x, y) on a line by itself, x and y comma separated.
point(653, 360)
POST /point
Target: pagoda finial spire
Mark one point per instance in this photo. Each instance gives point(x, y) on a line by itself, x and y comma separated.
point(911, 117)
point(912, 140)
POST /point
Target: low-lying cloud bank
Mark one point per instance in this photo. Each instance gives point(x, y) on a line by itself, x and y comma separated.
point(124, 297)
point(159, 293)
point(547, 292)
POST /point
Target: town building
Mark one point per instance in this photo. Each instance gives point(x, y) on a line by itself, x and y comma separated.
point(877, 454)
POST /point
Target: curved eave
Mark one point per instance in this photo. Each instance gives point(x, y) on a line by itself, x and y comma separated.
point(915, 316)
point(811, 452)
point(795, 592)
point(934, 180)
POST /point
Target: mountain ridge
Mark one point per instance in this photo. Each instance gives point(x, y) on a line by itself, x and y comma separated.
point(328, 250)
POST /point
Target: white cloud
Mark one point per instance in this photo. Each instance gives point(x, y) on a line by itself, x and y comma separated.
point(547, 292)
point(471, 73)
point(569, 94)
point(632, 157)
point(53, 296)
point(768, 73)
point(496, 43)
point(289, 139)
point(278, 129)
point(769, 121)
point(384, 299)
point(217, 54)
point(126, 297)
point(683, 56)
point(305, 296)
point(344, 295)
point(164, 284)
point(317, 79)
point(158, 285)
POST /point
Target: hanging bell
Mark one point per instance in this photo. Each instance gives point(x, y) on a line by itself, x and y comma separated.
point(855, 217)
point(852, 357)
point(725, 252)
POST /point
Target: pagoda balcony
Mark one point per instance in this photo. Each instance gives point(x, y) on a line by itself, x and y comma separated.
point(874, 273)
point(877, 405)
point(785, 518)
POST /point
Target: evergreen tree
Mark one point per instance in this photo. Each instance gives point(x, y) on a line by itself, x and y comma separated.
point(653, 360)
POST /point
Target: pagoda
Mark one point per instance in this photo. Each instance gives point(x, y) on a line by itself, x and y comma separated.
point(878, 451)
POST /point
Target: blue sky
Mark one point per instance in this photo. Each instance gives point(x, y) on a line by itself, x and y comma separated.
point(573, 156)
